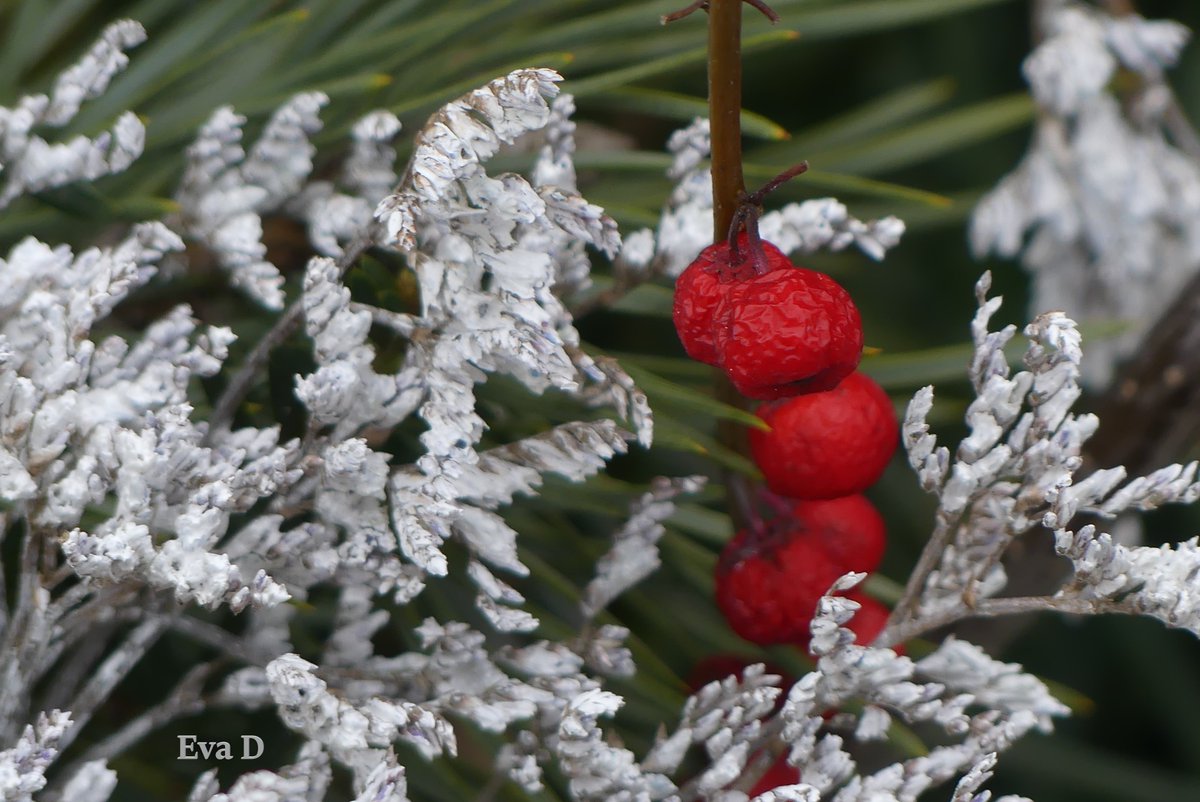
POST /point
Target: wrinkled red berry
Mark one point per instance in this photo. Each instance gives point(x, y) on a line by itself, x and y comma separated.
point(850, 528)
point(829, 444)
point(768, 581)
point(700, 289)
point(787, 332)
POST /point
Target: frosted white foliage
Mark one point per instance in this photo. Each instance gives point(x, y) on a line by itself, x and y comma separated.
point(88, 421)
point(225, 191)
point(465, 133)
point(463, 504)
point(608, 385)
point(355, 735)
point(634, 554)
point(337, 218)
point(23, 767)
point(1016, 471)
point(93, 782)
point(885, 680)
point(308, 779)
point(825, 223)
point(790, 793)
point(385, 783)
point(959, 665)
point(369, 170)
point(968, 788)
point(345, 390)
point(598, 770)
point(487, 253)
point(30, 163)
point(1023, 443)
point(686, 225)
point(132, 509)
point(1156, 581)
point(1102, 210)
point(723, 716)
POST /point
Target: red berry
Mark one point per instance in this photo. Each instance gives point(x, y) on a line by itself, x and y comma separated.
point(768, 581)
point(700, 289)
point(787, 332)
point(869, 621)
point(829, 444)
point(780, 773)
point(850, 528)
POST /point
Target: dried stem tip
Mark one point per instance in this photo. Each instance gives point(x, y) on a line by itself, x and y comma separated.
point(757, 196)
point(675, 16)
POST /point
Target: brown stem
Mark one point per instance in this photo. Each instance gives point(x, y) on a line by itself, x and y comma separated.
point(725, 118)
point(725, 109)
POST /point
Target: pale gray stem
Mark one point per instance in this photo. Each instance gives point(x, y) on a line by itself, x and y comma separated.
point(990, 608)
point(218, 638)
point(930, 556)
point(109, 674)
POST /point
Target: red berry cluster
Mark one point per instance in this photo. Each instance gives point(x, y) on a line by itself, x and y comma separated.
point(792, 337)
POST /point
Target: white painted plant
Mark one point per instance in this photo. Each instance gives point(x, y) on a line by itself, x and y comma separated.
point(125, 507)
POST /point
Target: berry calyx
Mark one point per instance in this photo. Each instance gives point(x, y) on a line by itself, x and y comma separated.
point(702, 287)
point(787, 332)
point(827, 444)
point(769, 579)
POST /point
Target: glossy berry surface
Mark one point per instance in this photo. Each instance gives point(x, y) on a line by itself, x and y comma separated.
point(787, 332)
point(850, 528)
point(828, 444)
point(768, 582)
point(700, 289)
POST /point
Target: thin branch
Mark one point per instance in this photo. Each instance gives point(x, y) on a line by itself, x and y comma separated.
point(186, 699)
point(241, 381)
point(72, 669)
point(216, 637)
point(992, 608)
point(931, 555)
point(109, 674)
point(15, 651)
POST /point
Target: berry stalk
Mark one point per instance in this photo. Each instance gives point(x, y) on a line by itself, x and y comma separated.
point(725, 110)
point(729, 187)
